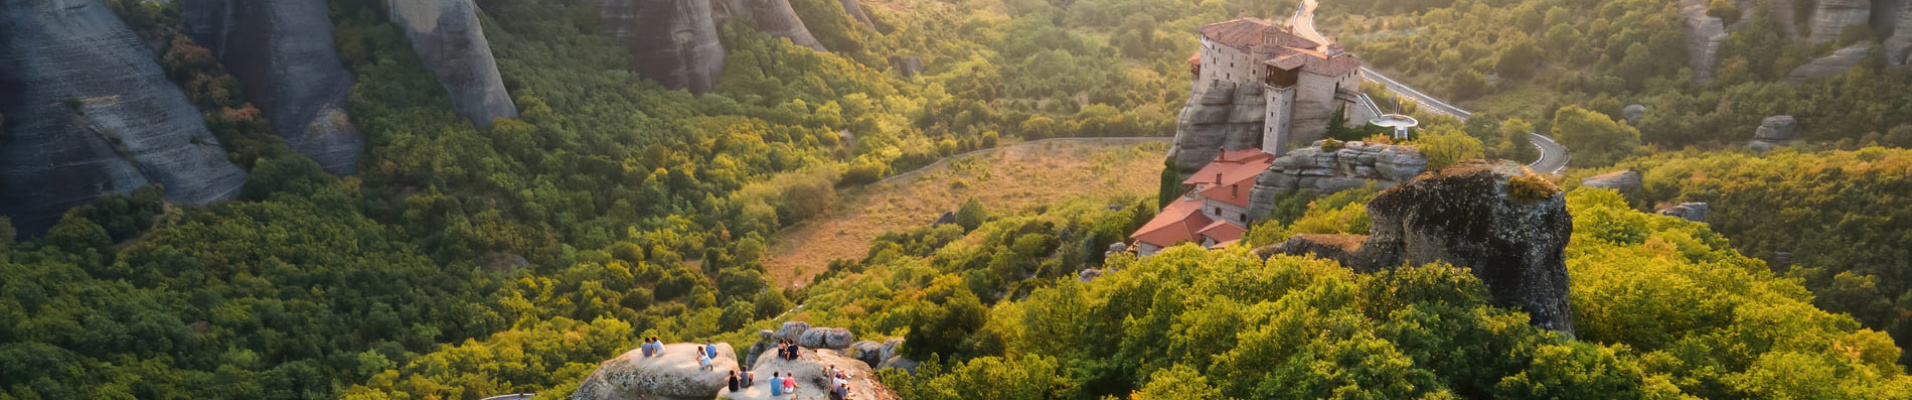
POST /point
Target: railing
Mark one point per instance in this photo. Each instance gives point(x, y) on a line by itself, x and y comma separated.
point(1368, 102)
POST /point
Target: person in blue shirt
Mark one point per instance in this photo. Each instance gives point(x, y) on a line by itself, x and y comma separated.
point(776, 384)
point(710, 349)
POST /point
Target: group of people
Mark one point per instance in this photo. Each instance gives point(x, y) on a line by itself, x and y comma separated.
point(652, 347)
point(746, 379)
point(787, 349)
point(707, 354)
point(839, 383)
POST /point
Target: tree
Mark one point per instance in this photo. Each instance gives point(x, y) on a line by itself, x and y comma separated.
point(1515, 142)
point(1594, 139)
point(971, 215)
point(1446, 146)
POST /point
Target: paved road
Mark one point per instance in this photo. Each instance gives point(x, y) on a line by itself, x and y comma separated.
point(513, 396)
point(1553, 156)
point(1427, 102)
point(1303, 22)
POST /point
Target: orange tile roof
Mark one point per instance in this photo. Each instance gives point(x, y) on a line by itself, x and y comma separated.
point(1231, 165)
point(1260, 36)
point(1222, 231)
point(1180, 222)
point(1240, 33)
point(1231, 191)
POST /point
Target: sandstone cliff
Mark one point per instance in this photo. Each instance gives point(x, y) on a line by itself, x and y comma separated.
point(1351, 166)
point(673, 42)
point(1829, 66)
point(283, 54)
point(1704, 34)
point(1898, 47)
point(1831, 18)
point(1499, 220)
point(447, 37)
point(777, 18)
point(1223, 117)
point(856, 11)
point(90, 112)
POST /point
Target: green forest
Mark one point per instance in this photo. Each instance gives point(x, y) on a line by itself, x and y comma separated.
point(464, 262)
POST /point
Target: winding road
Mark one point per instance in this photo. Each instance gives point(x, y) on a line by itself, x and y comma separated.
point(1553, 156)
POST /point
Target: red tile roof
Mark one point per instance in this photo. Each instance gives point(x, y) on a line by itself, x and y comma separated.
point(1231, 191)
point(1181, 221)
point(1259, 36)
point(1232, 165)
point(1222, 231)
point(1240, 33)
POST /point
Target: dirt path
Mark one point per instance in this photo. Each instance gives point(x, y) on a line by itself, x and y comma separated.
point(1003, 179)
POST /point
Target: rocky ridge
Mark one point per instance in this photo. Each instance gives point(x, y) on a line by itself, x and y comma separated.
point(1351, 165)
point(89, 112)
point(1831, 17)
point(1704, 34)
point(673, 42)
point(1500, 220)
point(1837, 63)
point(1223, 117)
point(778, 18)
point(283, 53)
point(447, 37)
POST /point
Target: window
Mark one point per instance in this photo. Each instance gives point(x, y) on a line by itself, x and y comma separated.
point(1218, 211)
point(1243, 218)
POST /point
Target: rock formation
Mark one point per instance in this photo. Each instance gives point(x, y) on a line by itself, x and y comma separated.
point(1690, 211)
point(1704, 34)
point(1898, 47)
point(909, 66)
point(856, 11)
point(447, 37)
point(89, 112)
point(826, 338)
point(676, 375)
point(868, 351)
point(766, 340)
point(792, 330)
point(1831, 18)
point(1616, 180)
point(1633, 113)
point(282, 52)
point(810, 370)
point(673, 42)
point(1223, 117)
point(1778, 130)
point(1829, 66)
point(1503, 222)
point(1350, 166)
point(777, 18)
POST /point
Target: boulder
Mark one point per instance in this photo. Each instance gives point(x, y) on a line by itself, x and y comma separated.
point(792, 330)
point(826, 338)
point(675, 375)
point(898, 362)
point(869, 352)
point(1500, 220)
point(1778, 130)
point(909, 66)
point(892, 347)
point(284, 57)
point(1690, 211)
point(765, 341)
point(1225, 116)
point(777, 18)
point(1831, 17)
point(1633, 113)
point(1837, 63)
point(1616, 180)
point(448, 39)
point(1704, 34)
point(673, 42)
point(1354, 165)
point(90, 112)
point(810, 373)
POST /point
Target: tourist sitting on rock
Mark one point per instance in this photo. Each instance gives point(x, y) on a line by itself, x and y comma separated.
point(782, 351)
point(793, 351)
point(710, 349)
point(840, 386)
point(734, 381)
point(703, 359)
point(776, 384)
point(748, 377)
point(790, 384)
point(657, 346)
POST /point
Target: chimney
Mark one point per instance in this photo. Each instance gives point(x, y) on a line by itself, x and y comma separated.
point(1221, 154)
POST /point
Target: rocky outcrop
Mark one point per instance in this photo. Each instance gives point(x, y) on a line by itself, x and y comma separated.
point(1503, 222)
point(447, 37)
point(766, 340)
point(1704, 34)
point(1690, 211)
point(1831, 17)
point(1223, 117)
point(898, 362)
point(89, 112)
point(811, 372)
point(791, 330)
point(1616, 180)
point(1898, 47)
point(1777, 130)
point(1351, 165)
point(777, 18)
point(856, 11)
point(283, 54)
point(1632, 113)
point(892, 347)
point(1839, 62)
point(826, 338)
point(673, 42)
point(868, 351)
point(675, 375)
point(909, 66)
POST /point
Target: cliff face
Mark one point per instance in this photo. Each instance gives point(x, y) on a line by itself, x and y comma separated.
point(856, 11)
point(1352, 166)
point(1704, 34)
point(1499, 220)
point(777, 18)
point(1898, 48)
point(1223, 117)
point(1839, 62)
point(1832, 17)
point(282, 52)
point(673, 42)
point(88, 112)
point(446, 35)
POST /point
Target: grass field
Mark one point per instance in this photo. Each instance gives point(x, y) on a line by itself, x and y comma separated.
point(1004, 179)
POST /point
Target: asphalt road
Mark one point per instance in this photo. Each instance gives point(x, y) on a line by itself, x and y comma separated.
point(1553, 156)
